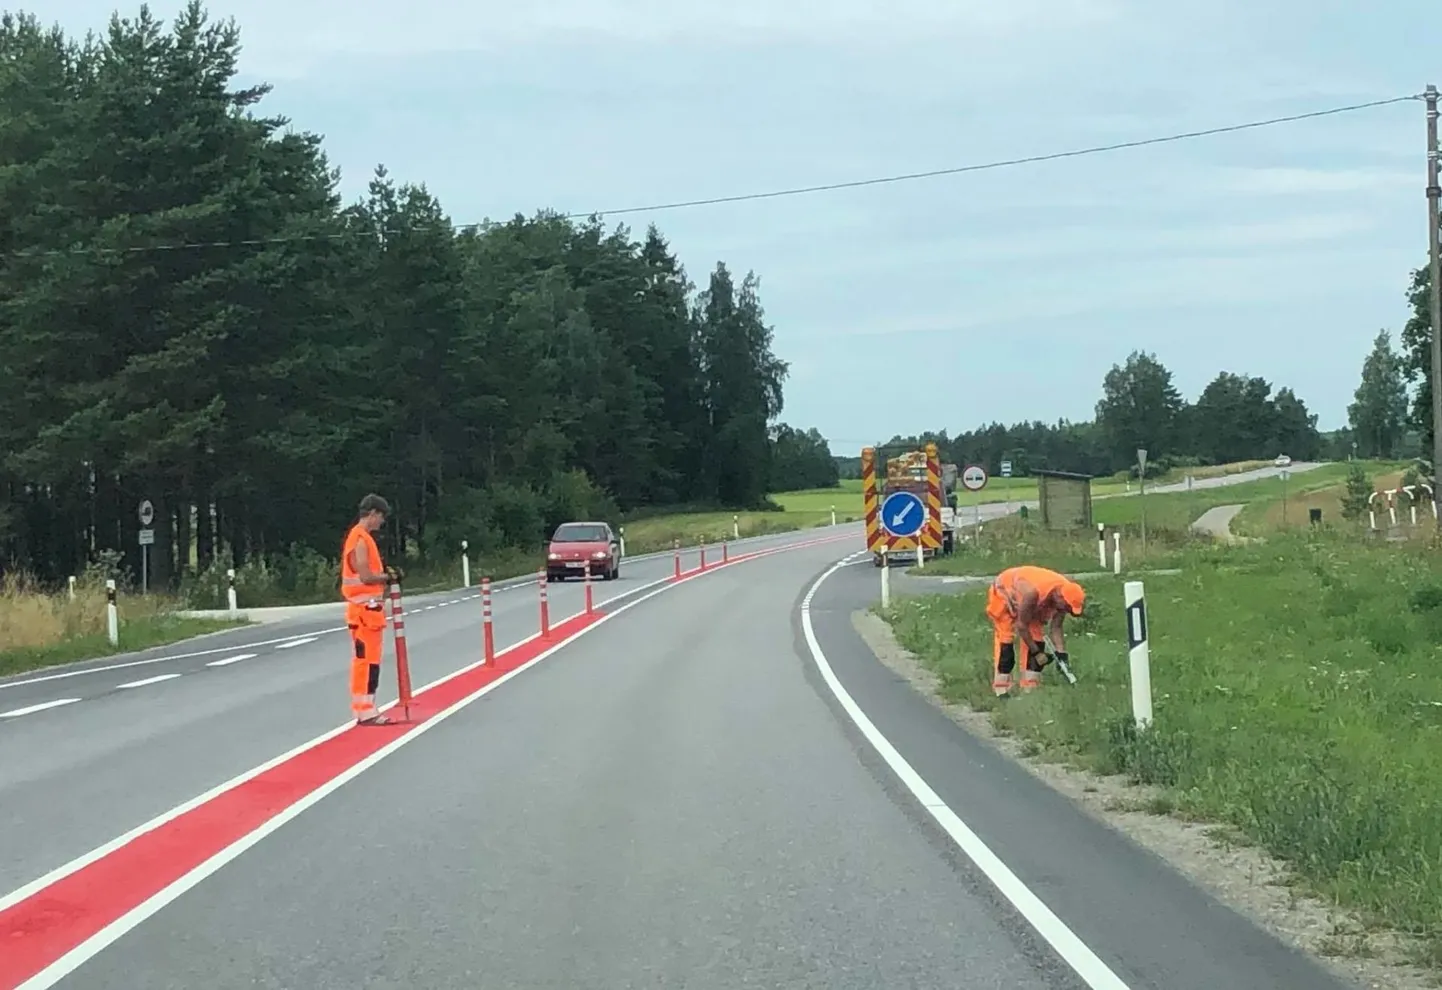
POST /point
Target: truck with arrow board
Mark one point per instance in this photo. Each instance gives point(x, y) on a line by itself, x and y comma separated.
point(910, 504)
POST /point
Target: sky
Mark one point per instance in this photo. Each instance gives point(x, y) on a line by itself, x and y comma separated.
point(941, 303)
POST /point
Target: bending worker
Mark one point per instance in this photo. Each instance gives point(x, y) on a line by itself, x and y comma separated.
point(363, 582)
point(1032, 601)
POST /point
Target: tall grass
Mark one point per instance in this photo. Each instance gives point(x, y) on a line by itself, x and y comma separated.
point(39, 626)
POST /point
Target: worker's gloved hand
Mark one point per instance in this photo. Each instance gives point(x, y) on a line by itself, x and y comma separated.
point(1063, 658)
point(395, 575)
point(1038, 652)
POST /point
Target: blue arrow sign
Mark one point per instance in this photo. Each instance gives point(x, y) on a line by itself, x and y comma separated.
point(903, 514)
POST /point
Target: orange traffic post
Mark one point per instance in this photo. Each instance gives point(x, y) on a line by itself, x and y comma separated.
point(725, 551)
point(590, 606)
point(403, 658)
point(703, 553)
point(676, 549)
point(488, 635)
point(545, 609)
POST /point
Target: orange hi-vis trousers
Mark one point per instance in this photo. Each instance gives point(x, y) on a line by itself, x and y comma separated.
point(1003, 646)
point(367, 632)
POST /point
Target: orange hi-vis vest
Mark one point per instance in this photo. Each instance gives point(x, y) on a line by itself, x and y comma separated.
point(357, 593)
point(1009, 584)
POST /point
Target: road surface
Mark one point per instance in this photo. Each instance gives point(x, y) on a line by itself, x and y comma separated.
point(678, 797)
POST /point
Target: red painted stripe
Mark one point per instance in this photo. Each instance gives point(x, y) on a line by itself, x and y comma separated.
point(40, 929)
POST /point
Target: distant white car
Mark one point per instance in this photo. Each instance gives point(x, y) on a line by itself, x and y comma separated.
point(1283, 461)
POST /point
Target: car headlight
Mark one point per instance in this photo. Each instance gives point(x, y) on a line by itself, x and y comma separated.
point(600, 554)
point(554, 556)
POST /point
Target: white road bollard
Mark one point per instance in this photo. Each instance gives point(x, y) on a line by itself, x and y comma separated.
point(112, 613)
point(833, 515)
point(920, 553)
point(466, 563)
point(885, 580)
point(1139, 651)
point(735, 527)
point(622, 532)
point(1116, 553)
point(72, 587)
point(1102, 545)
point(230, 596)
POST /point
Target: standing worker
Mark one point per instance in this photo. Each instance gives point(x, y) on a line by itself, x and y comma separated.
point(363, 582)
point(1032, 601)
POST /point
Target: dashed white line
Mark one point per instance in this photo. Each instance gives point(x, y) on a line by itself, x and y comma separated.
point(38, 708)
point(297, 642)
point(147, 681)
point(230, 660)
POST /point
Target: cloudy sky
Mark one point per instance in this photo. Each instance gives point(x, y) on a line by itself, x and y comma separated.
point(944, 302)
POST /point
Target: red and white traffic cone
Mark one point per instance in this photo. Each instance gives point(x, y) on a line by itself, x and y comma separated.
point(403, 657)
point(545, 609)
point(676, 549)
point(590, 606)
point(488, 634)
point(725, 551)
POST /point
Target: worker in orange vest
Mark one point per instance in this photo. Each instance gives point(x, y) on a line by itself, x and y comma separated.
point(1032, 601)
point(363, 581)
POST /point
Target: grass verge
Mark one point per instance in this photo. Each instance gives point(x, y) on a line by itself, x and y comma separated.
point(1297, 699)
point(1011, 541)
point(41, 630)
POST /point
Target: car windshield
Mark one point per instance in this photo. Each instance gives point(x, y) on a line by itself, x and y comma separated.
point(580, 533)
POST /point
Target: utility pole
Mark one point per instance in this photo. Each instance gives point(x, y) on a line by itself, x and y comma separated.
point(1433, 194)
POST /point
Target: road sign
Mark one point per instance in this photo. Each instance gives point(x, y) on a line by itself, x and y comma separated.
point(973, 478)
point(147, 513)
point(1142, 460)
point(147, 536)
point(903, 513)
point(1006, 469)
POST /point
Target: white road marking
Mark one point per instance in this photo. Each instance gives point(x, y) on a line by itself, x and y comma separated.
point(1094, 973)
point(16, 713)
point(97, 943)
point(147, 681)
point(230, 660)
point(297, 642)
point(143, 663)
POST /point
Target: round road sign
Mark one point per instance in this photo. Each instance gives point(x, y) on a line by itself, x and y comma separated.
point(147, 513)
point(903, 513)
point(973, 478)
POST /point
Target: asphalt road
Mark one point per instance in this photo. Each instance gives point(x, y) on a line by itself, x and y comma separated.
point(675, 799)
point(77, 775)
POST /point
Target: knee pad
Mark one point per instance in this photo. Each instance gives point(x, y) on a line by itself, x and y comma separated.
point(1008, 658)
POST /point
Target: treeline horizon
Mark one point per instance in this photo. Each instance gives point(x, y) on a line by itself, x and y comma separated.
point(1236, 417)
point(191, 315)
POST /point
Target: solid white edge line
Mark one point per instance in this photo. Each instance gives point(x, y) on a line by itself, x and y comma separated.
point(146, 682)
point(1095, 973)
point(32, 709)
point(98, 942)
point(9, 900)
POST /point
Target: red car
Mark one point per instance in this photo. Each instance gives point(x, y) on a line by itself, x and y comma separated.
point(575, 543)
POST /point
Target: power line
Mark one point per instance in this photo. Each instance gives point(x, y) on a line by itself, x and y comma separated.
point(1004, 163)
point(772, 194)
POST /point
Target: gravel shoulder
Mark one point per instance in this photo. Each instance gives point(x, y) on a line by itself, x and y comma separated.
point(1239, 876)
